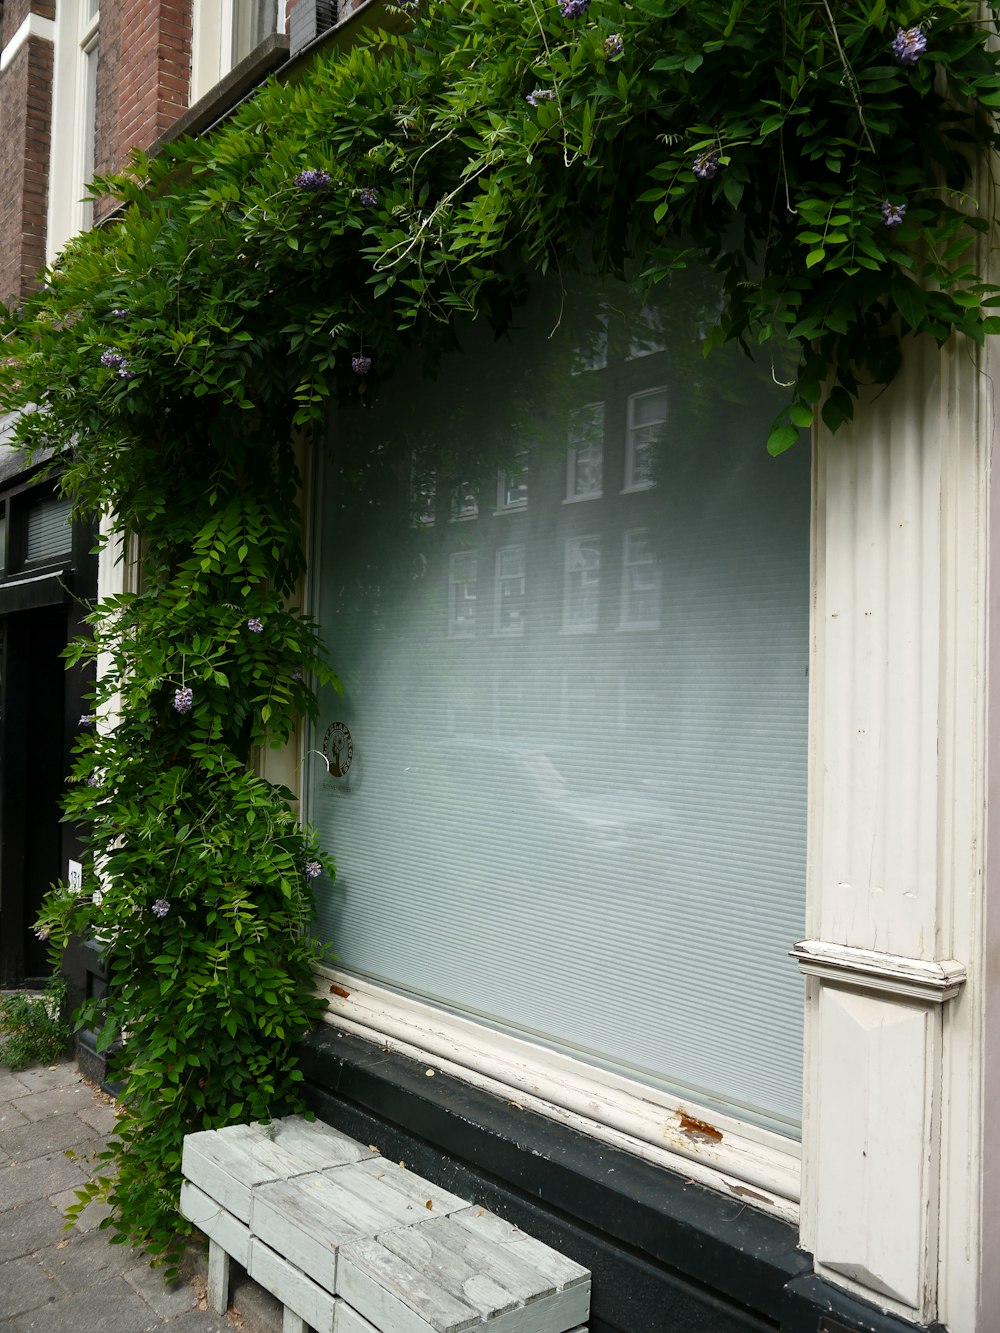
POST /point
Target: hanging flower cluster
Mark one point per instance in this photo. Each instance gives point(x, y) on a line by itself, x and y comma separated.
point(909, 45)
point(313, 179)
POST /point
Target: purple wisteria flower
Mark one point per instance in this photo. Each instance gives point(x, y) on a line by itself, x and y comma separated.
point(540, 95)
point(706, 165)
point(614, 45)
point(120, 312)
point(361, 364)
point(87, 719)
point(160, 908)
point(42, 933)
point(313, 869)
point(183, 699)
point(908, 45)
point(93, 780)
point(368, 197)
point(572, 9)
point(313, 178)
point(114, 360)
point(297, 674)
point(892, 214)
point(255, 625)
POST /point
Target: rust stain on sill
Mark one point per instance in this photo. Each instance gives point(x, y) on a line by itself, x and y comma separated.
point(745, 1193)
point(698, 1129)
point(339, 990)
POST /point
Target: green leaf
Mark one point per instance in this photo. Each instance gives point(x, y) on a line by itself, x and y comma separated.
point(781, 438)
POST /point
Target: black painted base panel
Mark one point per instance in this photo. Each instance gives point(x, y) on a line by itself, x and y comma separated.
point(667, 1255)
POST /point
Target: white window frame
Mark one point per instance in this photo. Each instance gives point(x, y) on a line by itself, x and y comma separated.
point(627, 621)
point(569, 626)
point(574, 450)
point(505, 475)
point(463, 502)
point(213, 31)
point(499, 579)
point(747, 1163)
point(75, 34)
point(456, 630)
point(631, 483)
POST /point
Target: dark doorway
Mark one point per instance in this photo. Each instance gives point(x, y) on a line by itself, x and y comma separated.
point(33, 764)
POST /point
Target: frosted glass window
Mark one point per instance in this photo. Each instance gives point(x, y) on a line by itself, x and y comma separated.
point(577, 806)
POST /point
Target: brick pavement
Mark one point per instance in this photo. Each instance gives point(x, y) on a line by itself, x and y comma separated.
point(74, 1281)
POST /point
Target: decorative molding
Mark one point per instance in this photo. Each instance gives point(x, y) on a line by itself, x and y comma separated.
point(33, 26)
point(867, 969)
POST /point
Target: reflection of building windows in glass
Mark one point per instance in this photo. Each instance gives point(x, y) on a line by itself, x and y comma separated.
point(423, 492)
point(512, 483)
point(462, 595)
point(640, 582)
point(463, 502)
point(581, 585)
point(508, 592)
point(585, 455)
point(647, 333)
point(647, 421)
point(591, 353)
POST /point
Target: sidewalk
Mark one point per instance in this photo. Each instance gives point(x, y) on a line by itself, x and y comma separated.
point(76, 1281)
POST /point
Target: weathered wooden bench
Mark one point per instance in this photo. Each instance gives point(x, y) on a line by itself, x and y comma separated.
point(349, 1242)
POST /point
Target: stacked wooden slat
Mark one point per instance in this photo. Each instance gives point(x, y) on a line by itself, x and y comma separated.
point(352, 1243)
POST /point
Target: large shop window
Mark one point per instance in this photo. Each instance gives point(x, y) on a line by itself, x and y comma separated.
point(567, 591)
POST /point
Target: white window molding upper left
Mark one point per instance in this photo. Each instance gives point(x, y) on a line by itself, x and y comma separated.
point(74, 117)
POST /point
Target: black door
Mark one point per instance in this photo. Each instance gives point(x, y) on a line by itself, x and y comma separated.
point(33, 764)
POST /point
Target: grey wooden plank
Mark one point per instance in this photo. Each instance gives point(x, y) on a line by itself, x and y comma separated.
point(228, 1163)
point(291, 1286)
point(292, 1322)
point(217, 1224)
point(347, 1320)
point(395, 1297)
point(397, 1189)
point(450, 1269)
point(218, 1278)
point(317, 1144)
point(294, 1218)
point(557, 1268)
point(514, 1272)
point(551, 1314)
point(508, 1293)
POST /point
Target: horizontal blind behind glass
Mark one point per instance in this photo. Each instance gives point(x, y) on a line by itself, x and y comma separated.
point(577, 805)
point(49, 531)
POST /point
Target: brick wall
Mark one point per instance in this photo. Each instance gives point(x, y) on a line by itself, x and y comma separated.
point(26, 117)
point(16, 11)
point(143, 76)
